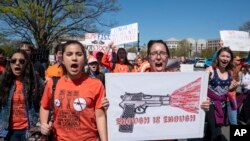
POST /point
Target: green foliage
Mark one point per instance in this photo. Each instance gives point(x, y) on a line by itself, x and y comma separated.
point(45, 21)
point(132, 49)
point(207, 53)
point(182, 50)
point(8, 49)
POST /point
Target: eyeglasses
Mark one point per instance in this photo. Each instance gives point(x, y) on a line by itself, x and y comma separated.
point(21, 61)
point(161, 53)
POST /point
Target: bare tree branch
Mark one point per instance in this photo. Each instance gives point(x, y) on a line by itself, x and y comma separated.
point(44, 21)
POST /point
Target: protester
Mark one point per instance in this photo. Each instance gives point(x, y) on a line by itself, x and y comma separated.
point(220, 82)
point(232, 113)
point(243, 99)
point(94, 69)
point(78, 112)
point(158, 54)
point(103, 69)
point(56, 69)
point(19, 97)
point(120, 64)
point(183, 60)
point(137, 63)
point(29, 49)
point(2, 61)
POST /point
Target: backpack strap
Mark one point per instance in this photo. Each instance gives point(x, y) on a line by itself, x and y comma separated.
point(51, 109)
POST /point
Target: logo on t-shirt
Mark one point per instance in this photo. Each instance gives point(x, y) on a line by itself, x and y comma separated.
point(79, 104)
point(57, 102)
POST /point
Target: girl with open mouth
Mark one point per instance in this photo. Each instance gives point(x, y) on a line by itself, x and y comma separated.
point(19, 97)
point(78, 113)
point(220, 83)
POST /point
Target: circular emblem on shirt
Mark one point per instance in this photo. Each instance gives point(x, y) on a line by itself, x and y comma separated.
point(57, 102)
point(79, 104)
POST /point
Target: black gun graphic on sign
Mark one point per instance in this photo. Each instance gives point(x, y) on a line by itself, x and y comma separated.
point(137, 103)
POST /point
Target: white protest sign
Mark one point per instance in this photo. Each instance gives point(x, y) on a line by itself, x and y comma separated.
point(235, 40)
point(148, 106)
point(124, 34)
point(131, 56)
point(187, 68)
point(96, 42)
point(52, 58)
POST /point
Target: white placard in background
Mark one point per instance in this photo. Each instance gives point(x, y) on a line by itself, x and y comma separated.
point(187, 68)
point(235, 40)
point(124, 34)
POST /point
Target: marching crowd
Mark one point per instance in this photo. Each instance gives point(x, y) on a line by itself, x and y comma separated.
point(74, 106)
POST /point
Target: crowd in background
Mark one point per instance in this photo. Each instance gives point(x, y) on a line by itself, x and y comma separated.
point(25, 83)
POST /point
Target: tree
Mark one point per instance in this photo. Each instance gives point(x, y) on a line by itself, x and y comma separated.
point(245, 27)
point(207, 53)
point(183, 49)
point(45, 21)
point(132, 49)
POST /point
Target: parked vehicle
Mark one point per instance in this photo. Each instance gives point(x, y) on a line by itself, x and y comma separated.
point(200, 64)
point(189, 61)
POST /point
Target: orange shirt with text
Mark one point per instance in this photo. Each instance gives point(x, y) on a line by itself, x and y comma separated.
point(75, 102)
point(119, 68)
point(18, 117)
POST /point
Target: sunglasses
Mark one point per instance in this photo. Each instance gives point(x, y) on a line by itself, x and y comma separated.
point(21, 61)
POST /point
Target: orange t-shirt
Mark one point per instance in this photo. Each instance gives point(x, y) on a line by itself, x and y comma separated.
point(54, 70)
point(119, 68)
point(18, 118)
point(75, 102)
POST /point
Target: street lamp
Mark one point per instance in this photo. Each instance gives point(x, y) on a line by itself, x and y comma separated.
point(138, 44)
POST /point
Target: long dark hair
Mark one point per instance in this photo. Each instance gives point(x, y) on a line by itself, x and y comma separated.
point(28, 79)
point(118, 57)
point(126, 62)
point(230, 66)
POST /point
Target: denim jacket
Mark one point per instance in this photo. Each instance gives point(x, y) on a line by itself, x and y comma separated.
point(31, 110)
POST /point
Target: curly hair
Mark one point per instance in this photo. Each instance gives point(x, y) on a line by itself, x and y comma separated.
point(28, 79)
